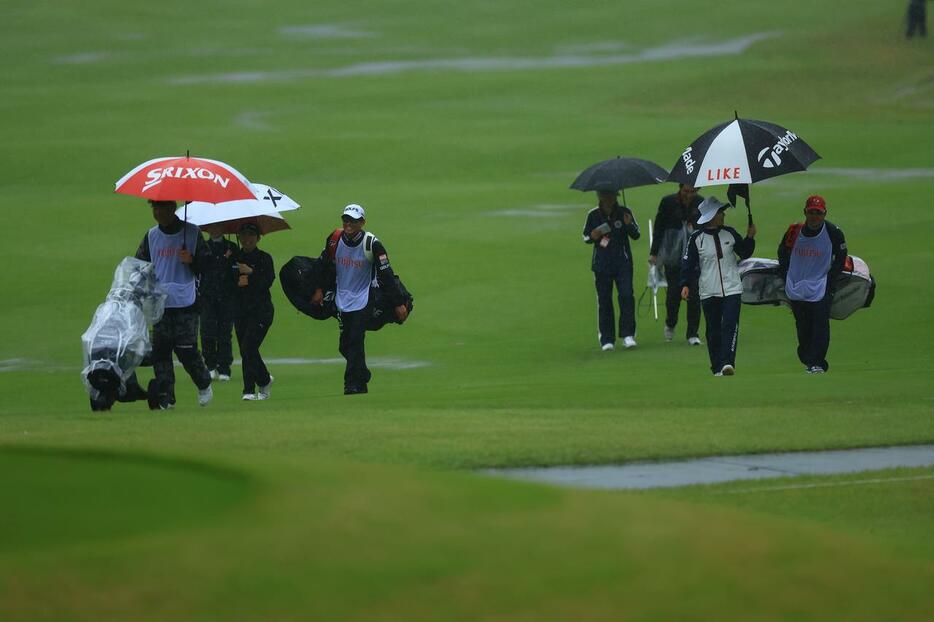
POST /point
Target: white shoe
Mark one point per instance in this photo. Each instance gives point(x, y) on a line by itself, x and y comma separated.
point(263, 393)
point(607, 347)
point(629, 342)
point(213, 374)
point(205, 396)
point(728, 370)
point(669, 333)
point(719, 373)
point(223, 377)
point(694, 341)
point(815, 369)
point(249, 397)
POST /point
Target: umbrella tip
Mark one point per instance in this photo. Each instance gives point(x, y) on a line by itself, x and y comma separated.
point(187, 153)
point(736, 115)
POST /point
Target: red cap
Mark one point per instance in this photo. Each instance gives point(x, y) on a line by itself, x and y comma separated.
point(816, 202)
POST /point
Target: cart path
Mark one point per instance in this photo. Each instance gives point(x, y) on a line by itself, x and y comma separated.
point(722, 469)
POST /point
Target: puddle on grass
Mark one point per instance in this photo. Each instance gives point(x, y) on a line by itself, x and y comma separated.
point(674, 50)
point(720, 469)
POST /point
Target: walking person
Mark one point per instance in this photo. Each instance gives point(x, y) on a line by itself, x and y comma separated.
point(710, 261)
point(811, 255)
point(674, 223)
point(359, 261)
point(254, 311)
point(917, 19)
point(609, 227)
point(168, 247)
point(217, 289)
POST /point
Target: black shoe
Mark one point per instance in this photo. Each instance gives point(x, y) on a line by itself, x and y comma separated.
point(355, 390)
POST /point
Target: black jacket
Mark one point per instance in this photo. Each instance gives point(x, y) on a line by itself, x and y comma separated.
point(615, 255)
point(673, 215)
point(381, 268)
point(218, 275)
point(254, 299)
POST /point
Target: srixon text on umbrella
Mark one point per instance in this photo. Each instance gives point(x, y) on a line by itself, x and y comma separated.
point(156, 175)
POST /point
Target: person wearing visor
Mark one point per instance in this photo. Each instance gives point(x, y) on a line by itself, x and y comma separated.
point(254, 312)
point(609, 227)
point(811, 255)
point(710, 262)
point(359, 261)
point(168, 246)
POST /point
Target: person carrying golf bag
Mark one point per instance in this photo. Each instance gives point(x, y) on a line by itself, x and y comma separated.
point(360, 262)
point(811, 256)
point(710, 261)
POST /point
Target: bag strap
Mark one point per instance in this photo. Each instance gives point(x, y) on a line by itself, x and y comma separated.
point(368, 240)
point(332, 244)
point(791, 236)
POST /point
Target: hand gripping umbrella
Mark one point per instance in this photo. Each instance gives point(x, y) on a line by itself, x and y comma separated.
point(741, 152)
point(264, 212)
point(619, 173)
point(184, 178)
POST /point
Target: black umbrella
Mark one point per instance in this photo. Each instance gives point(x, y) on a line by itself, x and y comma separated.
point(619, 173)
point(741, 152)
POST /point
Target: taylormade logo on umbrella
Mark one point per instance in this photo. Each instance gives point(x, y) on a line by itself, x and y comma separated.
point(688, 160)
point(769, 158)
point(156, 175)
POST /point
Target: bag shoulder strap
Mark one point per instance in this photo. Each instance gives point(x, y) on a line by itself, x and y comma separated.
point(368, 240)
point(332, 244)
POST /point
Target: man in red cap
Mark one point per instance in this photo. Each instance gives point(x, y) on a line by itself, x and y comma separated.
point(811, 256)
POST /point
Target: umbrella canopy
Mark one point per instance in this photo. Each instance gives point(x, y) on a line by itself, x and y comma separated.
point(742, 151)
point(619, 173)
point(185, 178)
point(264, 212)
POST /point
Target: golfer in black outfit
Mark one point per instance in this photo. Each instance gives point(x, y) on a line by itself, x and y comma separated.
point(217, 289)
point(254, 311)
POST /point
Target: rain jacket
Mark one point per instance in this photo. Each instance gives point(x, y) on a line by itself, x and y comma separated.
point(711, 258)
point(615, 254)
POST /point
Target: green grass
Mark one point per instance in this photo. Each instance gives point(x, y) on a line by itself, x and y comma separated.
point(364, 508)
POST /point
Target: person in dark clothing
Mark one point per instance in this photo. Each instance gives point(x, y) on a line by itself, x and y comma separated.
point(254, 312)
point(710, 261)
point(609, 227)
point(359, 261)
point(674, 222)
point(917, 19)
point(217, 290)
point(811, 256)
point(167, 246)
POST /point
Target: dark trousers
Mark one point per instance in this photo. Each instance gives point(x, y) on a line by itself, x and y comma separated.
point(353, 333)
point(673, 302)
point(627, 305)
point(917, 20)
point(722, 316)
point(177, 332)
point(812, 320)
point(216, 325)
point(251, 331)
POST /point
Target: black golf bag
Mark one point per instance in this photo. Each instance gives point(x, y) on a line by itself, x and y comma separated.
point(301, 276)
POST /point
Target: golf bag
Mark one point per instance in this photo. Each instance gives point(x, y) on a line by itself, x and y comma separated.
point(301, 276)
point(764, 285)
point(117, 341)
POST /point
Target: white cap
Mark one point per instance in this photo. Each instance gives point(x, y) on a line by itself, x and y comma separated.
point(354, 211)
point(709, 208)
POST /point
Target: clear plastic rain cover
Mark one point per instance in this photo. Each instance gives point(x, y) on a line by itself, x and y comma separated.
point(118, 338)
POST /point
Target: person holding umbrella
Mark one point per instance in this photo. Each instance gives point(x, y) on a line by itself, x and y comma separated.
point(255, 310)
point(166, 247)
point(710, 262)
point(811, 255)
point(609, 227)
point(673, 224)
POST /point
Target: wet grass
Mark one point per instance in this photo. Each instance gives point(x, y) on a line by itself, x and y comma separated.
point(361, 508)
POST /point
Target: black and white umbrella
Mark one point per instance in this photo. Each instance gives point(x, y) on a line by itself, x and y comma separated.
point(618, 174)
point(742, 152)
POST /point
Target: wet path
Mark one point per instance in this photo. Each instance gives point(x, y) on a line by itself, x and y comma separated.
point(721, 469)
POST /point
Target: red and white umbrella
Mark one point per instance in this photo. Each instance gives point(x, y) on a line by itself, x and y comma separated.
point(184, 178)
